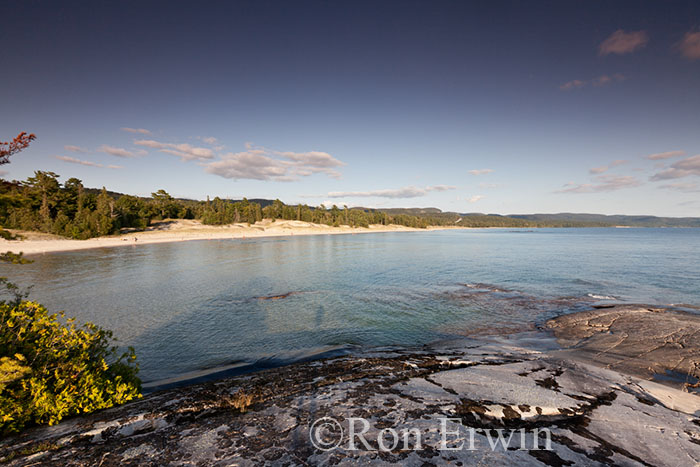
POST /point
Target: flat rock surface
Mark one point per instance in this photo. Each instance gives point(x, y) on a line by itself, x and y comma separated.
point(634, 339)
point(592, 415)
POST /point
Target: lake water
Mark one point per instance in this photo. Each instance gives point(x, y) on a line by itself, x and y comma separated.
point(197, 305)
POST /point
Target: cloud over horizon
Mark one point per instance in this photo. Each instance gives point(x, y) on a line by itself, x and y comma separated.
point(73, 160)
point(481, 171)
point(684, 187)
point(404, 192)
point(184, 151)
point(601, 80)
point(679, 169)
point(604, 183)
point(621, 42)
point(665, 155)
point(605, 168)
point(78, 149)
point(259, 163)
point(121, 152)
point(140, 131)
point(690, 45)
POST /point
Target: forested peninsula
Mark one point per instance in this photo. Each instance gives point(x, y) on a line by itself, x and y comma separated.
point(45, 204)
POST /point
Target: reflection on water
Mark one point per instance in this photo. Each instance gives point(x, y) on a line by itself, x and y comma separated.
point(206, 304)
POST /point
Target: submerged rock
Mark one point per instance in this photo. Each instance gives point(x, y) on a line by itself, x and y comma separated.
point(454, 403)
point(278, 297)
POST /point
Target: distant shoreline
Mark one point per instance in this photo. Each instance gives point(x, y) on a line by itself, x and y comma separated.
point(186, 230)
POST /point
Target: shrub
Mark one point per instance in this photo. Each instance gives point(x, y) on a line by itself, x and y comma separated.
point(14, 258)
point(7, 235)
point(51, 369)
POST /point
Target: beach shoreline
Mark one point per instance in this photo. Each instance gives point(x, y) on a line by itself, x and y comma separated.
point(181, 230)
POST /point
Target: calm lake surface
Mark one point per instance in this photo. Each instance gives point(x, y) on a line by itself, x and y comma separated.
point(195, 305)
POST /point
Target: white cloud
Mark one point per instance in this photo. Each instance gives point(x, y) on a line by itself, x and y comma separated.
point(573, 84)
point(665, 155)
point(72, 160)
point(78, 149)
point(602, 80)
point(476, 198)
point(690, 45)
point(603, 183)
point(121, 152)
point(683, 168)
point(481, 171)
point(140, 131)
point(605, 168)
point(440, 188)
point(184, 151)
point(621, 42)
point(210, 140)
point(312, 158)
point(247, 165)
point(487, 186)
point(685, 187)
point(405, 192)
point(258, 163)
point(669, 174)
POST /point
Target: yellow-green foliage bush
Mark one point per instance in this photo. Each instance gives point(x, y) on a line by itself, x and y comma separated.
point(50, 368)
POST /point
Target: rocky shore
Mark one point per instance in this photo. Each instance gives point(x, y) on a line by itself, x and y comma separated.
point(591, 403)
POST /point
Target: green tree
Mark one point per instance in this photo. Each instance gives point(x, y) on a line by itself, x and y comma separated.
point(104, 215)
point(163, 202)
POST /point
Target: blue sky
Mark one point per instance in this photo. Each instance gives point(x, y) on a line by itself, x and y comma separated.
point(498, 107)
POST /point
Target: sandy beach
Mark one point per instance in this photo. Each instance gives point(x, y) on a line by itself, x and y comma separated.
point(180, 230)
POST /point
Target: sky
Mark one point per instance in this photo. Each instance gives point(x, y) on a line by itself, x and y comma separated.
point(494, 107)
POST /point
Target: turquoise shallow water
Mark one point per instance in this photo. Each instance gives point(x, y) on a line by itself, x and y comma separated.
point(194, 305)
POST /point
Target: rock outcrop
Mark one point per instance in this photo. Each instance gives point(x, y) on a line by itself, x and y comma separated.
point(448, 404)
point(634, 339)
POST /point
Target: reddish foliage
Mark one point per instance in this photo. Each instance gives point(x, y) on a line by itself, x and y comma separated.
point(20, 142)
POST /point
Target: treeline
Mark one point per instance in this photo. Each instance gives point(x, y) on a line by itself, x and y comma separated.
point(42, 203)
point(220, 211)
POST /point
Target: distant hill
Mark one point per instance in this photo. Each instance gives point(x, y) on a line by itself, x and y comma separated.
point(630, 221)
point(565, 219)
point(410, 211)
